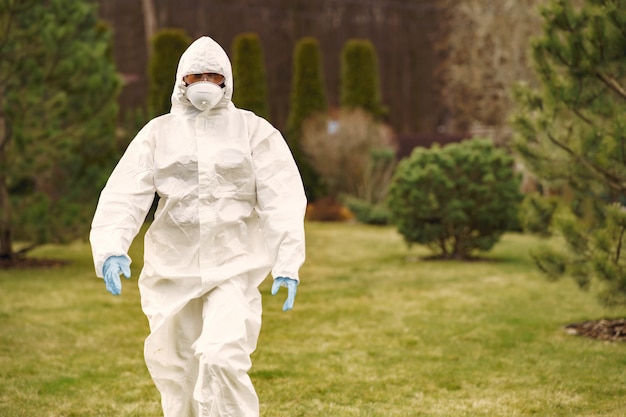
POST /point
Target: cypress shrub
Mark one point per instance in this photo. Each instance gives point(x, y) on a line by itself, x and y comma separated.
point(360, 85)
point(249, 74)
point(308, 97)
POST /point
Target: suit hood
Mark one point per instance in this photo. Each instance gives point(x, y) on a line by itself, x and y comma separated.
point(203, 55)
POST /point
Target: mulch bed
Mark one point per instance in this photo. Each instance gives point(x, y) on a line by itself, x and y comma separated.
point(611, 330)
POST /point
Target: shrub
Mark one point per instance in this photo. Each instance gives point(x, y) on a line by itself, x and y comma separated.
point(368, 213)
point(457, 199)
point(355, 161)
point(327, 209)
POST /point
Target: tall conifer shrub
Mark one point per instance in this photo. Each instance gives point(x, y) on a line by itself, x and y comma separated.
point(249, 74)
point(360, 85)
point(308, 97)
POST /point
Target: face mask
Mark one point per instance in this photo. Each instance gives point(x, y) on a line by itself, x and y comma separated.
point(204, 95)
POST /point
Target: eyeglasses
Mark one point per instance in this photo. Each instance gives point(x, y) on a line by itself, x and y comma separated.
point(206, 76)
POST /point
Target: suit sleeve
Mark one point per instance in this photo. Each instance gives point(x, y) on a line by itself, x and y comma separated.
point(124, 201)
point(281, 201)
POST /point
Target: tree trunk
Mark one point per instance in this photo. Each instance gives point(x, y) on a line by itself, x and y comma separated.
point(6, 247)
point(149, 22)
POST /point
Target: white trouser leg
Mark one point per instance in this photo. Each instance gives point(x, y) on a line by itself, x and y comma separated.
point(199, 356)
point(171, 360)
point(231, 325)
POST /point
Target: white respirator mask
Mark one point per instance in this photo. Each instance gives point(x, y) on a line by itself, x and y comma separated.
point(204, 95)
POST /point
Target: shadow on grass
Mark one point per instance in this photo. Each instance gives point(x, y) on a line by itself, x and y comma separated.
point(32, 263)
point(469, 259)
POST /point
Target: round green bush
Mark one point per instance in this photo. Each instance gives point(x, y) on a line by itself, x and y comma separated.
point(457, 199)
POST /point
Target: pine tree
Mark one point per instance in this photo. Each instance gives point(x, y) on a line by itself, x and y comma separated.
point(58, 90)
point(360, 85)
point(167, 47)
point(308, 98)
point(571, 133)
point(249, 74)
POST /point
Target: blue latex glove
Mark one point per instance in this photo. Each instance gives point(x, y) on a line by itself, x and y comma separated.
point(112, 268)
point(292, 287)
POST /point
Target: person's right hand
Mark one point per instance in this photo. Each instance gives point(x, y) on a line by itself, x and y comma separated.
point(112, 268)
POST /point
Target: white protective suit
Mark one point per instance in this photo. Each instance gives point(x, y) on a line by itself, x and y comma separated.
point(231, 209)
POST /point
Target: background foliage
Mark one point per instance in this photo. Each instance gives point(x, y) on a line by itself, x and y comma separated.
point(403, 32)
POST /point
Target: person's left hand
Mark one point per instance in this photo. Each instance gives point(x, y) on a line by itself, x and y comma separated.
point(292, 287)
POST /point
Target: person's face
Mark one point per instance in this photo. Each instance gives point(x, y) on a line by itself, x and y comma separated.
point(206, 76)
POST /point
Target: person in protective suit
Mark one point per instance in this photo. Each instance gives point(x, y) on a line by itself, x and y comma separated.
point(231, 210)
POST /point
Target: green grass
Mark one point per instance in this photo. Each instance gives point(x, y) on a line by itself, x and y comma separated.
point(375, 331)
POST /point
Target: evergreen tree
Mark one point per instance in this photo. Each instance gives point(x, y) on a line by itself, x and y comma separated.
point(360, 85)
point(571, 134)
point(167, 47)
point(58, 90)
point(308, 97)
point(249, 74)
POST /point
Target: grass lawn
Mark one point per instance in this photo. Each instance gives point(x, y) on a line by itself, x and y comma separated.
point(375, 331)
